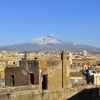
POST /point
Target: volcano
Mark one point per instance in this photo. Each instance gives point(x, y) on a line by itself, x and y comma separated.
point(49, 43)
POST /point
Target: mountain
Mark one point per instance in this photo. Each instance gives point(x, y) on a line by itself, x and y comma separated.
point(47, 40)
point(48, 43)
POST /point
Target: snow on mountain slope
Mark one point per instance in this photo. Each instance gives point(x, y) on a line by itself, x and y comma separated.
point(48, 43)
point(47, 40)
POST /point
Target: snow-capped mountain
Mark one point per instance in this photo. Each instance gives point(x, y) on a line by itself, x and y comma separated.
point(48, 43)
point(47, 40)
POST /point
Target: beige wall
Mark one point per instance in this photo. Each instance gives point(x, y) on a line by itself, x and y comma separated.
point(29, 93)
point(54, 78)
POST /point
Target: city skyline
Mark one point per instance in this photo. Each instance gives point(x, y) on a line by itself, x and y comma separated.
point(76, 21)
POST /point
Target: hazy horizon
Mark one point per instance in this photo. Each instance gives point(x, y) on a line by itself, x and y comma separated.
point(30, 41)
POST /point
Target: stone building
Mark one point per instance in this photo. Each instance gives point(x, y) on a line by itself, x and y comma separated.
point(57, 75)
point(27, 73)
point(52, 74)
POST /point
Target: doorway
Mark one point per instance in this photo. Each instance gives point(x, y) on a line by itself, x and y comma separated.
point(45, 82)
point(31, 78)
point(12, 78)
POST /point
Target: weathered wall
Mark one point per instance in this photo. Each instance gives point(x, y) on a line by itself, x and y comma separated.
point(59, 72)
point(55, 78)
point(30, 93)
point(19, 77)
point(22, 74)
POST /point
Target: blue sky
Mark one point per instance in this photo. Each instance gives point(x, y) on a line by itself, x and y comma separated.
point(69, 20)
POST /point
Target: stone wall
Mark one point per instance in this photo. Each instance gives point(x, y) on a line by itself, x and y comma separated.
point(19, 78)
point(55, 78)
point(33, 93)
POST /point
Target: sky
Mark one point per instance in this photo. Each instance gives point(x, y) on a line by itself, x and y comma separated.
point(69, 20)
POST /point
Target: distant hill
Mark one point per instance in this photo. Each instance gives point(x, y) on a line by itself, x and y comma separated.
point(48, 43)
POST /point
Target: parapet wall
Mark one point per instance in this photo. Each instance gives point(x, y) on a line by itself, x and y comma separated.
point(36, 94)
